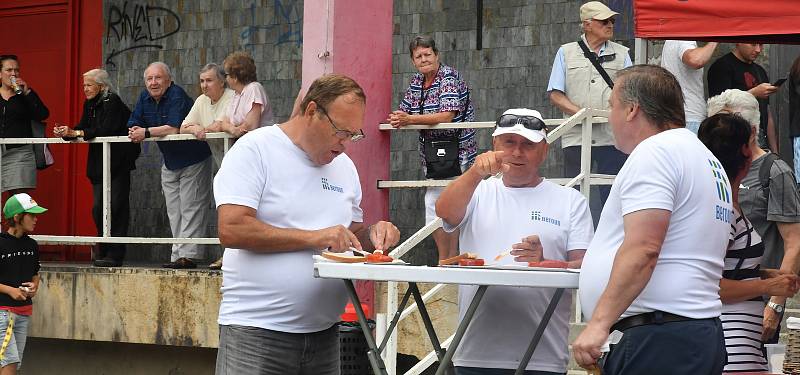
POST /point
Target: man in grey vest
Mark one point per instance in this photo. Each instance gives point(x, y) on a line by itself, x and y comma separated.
point(575, 83)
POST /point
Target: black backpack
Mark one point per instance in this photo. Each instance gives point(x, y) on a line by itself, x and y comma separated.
point(763, 173)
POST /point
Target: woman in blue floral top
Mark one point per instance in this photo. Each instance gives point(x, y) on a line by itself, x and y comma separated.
point(437, 94)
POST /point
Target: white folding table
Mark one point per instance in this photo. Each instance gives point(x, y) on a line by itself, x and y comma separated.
point(483, 277)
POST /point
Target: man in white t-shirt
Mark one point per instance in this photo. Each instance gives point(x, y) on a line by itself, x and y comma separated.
point(535, 219)
point(207, 108)
point(686, 60)
point(653, 268)
point(283, 194)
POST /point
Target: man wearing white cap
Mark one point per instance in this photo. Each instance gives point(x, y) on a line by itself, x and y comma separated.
point(515, 209)
point(576, 83)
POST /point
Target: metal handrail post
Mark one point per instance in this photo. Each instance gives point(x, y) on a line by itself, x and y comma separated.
point(390, 354)
point(106, 190)
point(586, 155)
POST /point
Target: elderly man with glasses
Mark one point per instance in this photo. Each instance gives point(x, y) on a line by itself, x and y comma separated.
point(283, 194)
point(577, 81)
point(502, 202)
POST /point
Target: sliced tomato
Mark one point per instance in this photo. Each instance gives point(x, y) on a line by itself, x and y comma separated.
point(549, 264)
point(379, 258)
point(470, 262)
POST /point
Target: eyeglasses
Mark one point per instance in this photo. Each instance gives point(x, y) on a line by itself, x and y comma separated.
point(343, 134)
point(529, 122)
point(606, 21)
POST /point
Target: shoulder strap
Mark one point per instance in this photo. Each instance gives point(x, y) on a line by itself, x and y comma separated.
point(593, 58)
point(764, 172)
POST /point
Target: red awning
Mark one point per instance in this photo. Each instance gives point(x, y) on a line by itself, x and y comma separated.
point(763, 21)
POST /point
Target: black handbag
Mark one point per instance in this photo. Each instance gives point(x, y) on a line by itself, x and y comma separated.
point(44, 158)
point(441, 157)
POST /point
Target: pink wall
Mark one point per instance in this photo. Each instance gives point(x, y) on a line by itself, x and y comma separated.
point(358, 36)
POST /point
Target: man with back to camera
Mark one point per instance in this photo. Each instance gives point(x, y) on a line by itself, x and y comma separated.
point(653, 268)
point(686, 60)
point(283, 194)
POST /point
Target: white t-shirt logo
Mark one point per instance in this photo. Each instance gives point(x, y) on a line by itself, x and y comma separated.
point(328, 186)
point(537, 216)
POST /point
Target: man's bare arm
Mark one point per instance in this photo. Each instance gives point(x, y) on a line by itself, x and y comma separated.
point(240, 228)
point(697, 58)
point(560, 100)
point(633, 266)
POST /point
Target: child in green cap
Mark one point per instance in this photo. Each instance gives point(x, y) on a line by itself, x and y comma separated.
point(19, 278)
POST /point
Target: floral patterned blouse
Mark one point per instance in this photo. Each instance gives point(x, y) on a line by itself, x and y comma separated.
point(448, 93)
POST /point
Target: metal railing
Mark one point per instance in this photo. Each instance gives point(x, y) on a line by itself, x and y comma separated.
point(106, 237)
point(586, 117)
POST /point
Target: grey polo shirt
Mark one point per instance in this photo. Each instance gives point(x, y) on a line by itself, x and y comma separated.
point(783, 206)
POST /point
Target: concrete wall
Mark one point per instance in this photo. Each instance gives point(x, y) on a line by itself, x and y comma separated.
point(187, 35)
point(128, 305)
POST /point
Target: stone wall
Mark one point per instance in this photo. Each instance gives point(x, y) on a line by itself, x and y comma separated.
point(187, 35)
point(510, 69)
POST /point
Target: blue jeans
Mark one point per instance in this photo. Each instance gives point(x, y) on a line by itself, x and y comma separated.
point(12, 342)
point(250, 351)
point(497, 371)
point(693, 347)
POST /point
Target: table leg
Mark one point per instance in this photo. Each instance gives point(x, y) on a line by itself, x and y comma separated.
point(539, 331)
point(375, 360)
point(395, 320)
point(426, 320)
point(462, 328)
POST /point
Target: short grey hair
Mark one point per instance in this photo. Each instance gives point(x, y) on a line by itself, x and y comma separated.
point(100, 77)
point(736, 101)
point(163, 66)
point(217, 69)
point(657, 92)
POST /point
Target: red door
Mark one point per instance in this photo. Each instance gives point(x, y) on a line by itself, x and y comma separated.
point(52, 46)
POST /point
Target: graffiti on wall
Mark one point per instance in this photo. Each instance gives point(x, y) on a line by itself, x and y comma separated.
point(137, 26)
point(287, 20)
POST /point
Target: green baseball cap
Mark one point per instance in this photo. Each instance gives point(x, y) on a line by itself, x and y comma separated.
point(19, 203)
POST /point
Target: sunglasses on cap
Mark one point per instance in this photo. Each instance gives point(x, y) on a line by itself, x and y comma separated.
point(529, 122)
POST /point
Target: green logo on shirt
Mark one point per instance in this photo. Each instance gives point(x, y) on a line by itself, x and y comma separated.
point(721, 180)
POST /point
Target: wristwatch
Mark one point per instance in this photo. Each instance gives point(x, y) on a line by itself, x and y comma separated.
point(146, 133)
point(778, 308)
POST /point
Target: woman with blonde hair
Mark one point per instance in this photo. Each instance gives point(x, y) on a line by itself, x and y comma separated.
point(104, 114)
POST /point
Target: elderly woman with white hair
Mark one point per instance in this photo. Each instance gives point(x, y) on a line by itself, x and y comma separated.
point(769, 199)
point(104, 114)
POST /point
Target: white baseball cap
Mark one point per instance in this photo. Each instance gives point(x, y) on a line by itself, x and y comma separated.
point(521, 121)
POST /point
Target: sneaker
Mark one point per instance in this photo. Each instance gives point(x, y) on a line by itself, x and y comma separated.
point(217, 265)
point(107, 263)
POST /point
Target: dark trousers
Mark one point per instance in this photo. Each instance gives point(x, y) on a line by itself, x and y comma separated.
point(605, 160)
point(692, 347)
point(120, 208)
point(257, 351)
point(498, 371)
